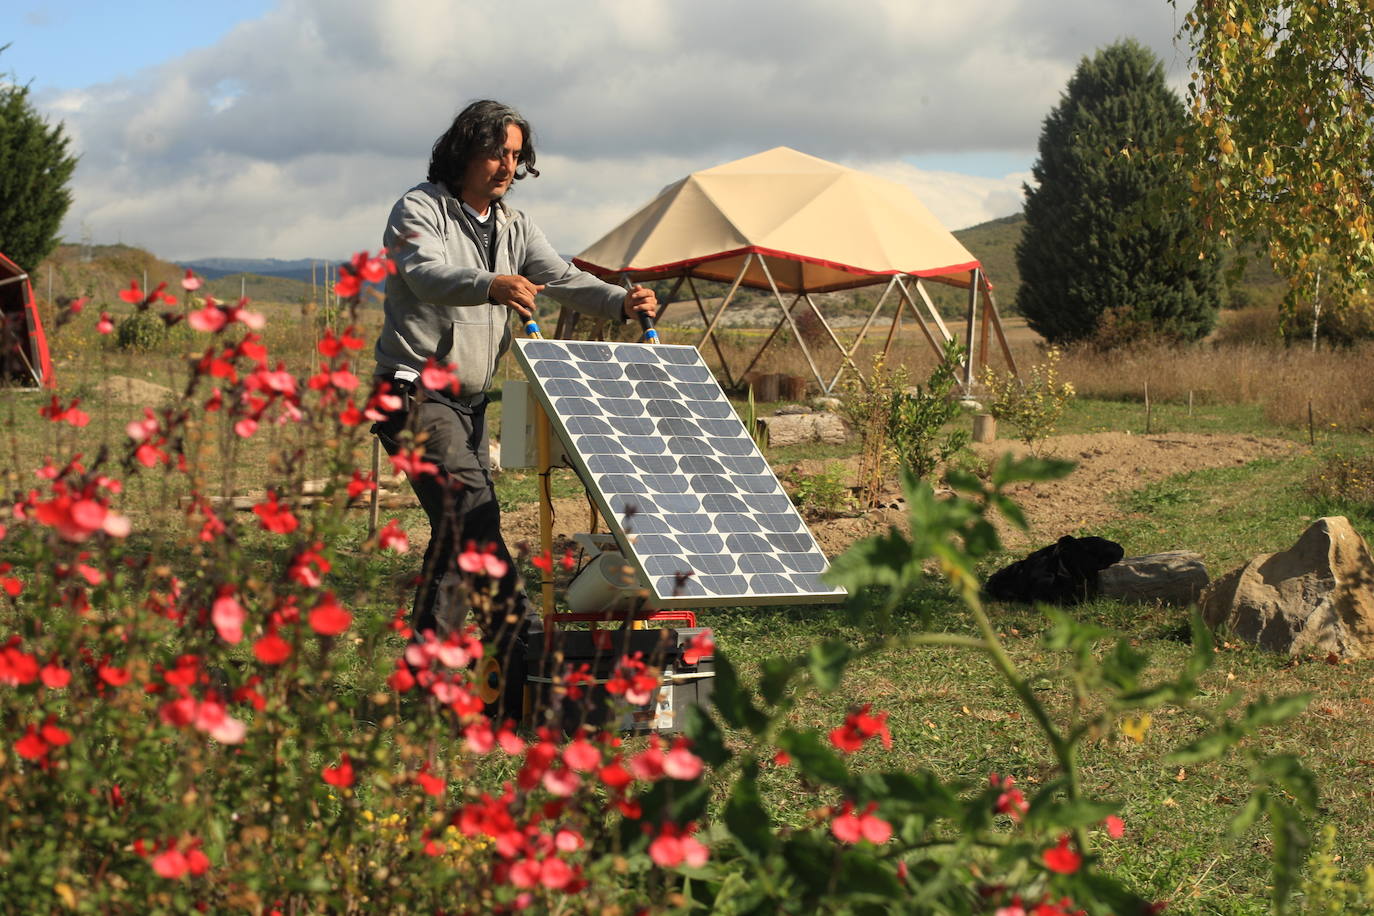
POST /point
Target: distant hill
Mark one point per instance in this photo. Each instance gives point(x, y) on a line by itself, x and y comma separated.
point(101, 271)
point(994, 244)
point(302, 269)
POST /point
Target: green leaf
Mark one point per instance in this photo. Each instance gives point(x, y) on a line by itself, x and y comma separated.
point(1010, 510)
point(1208, 747)
point(726, 695)
point(1249, 813)
point(777, 674)
point(922, 791)
point(810, 858)
point(745, 815)
point(816, 761)
point(828, 661)
point(1063, 814)
point(1265, 711)
point(963, 481)
point(707, 741)
point(864, 876)
point(1290, 839)
point(1287, 771)
point(1010, 469)
point(733, 703)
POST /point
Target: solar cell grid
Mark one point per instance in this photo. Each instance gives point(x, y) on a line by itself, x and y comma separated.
point(671, 467)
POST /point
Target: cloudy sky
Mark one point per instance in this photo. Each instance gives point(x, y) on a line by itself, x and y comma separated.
point(286, 128)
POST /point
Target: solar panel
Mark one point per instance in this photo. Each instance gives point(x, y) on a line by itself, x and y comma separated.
point(693, 504)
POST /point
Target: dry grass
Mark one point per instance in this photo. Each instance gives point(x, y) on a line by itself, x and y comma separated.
point(1283, 380)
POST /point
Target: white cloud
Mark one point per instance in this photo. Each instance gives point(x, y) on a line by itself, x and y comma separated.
point(293, 134)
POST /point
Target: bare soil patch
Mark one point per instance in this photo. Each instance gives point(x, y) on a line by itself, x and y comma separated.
point(1109, 464)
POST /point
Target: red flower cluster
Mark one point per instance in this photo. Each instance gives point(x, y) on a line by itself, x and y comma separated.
point(633, 679)
point(39, 741)
point(363, 268)
point(1010, 801)
point(858, 727)
point(55, 412)
point(175, 859)
point(849, 827)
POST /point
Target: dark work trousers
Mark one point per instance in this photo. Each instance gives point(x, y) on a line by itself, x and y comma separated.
point(462, 509)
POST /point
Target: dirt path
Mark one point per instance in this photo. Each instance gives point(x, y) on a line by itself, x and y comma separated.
point(1108, 464)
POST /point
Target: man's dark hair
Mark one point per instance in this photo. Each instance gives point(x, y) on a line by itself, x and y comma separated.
point(479, 130)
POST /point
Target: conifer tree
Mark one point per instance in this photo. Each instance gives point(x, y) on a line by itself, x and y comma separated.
point(1099, 255)
point(34, 170)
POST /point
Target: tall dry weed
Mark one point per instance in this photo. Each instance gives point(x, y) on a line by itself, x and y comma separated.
point(1339, 383)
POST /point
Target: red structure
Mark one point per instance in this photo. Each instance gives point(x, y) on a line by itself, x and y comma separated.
point(23, 345)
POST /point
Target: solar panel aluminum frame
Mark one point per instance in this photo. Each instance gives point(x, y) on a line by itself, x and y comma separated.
point(625, 534)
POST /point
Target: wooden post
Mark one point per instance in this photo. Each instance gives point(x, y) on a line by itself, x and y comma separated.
point(1190, 403)
point(1311, 427)
point(1147, 408)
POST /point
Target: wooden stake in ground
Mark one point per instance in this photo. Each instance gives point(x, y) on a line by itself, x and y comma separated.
point(1147, 408)
point(1311, 427)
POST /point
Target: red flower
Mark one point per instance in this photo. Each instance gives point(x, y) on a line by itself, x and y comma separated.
point(849, 827)
point(106, 324)
point(328, 617)
point(340, 775)
point(191, 282)
point(274, 516)
point(54, 676)
point(581, 755)
point(432, 784)
point(698, 647)
point(438, 378)
point(31, 746)
point(391, 536)
point(680, 762)
point(858, 727)
point(209, 319)
point(1061, 859)
point(55, 412)
point(227, 616)
point(413, 463)
point(1116, 827)
point(482, 562)
point(1011, 801)
point(272, 649)
point(133, 295)
point(170, 863)
point(115, 677)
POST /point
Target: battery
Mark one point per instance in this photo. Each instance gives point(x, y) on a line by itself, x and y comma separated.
point(595, 654)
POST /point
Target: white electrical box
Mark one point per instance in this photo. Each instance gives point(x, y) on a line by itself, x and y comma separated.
point(519, 445)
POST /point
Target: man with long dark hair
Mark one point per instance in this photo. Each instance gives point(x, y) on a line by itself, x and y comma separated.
point(465, 260)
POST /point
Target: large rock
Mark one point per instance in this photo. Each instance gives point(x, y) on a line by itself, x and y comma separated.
point(1317, 597)
point(790, 429)
point(1174, 577)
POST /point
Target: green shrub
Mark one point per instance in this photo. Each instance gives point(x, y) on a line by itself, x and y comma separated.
point(919, 414)
point(823, 495)
point(146, 332)
point(1032, 403)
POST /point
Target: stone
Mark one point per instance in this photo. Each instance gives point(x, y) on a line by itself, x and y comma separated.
point(790, 429)
point(1174, 577)
point(825, 404)
point(792, 409)
point(1317, 597)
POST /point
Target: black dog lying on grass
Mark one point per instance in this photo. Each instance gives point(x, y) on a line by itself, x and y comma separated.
point(1063, 573)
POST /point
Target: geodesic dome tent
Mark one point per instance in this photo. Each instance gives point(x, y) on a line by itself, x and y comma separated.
point(794, 225)
point(23, 345)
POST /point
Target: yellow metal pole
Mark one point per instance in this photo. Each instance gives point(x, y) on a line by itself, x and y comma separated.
point(545, 456)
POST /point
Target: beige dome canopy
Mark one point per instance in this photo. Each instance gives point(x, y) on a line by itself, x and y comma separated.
point(791, 223)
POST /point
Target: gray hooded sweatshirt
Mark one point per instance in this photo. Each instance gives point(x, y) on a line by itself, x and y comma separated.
point(436, 303)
